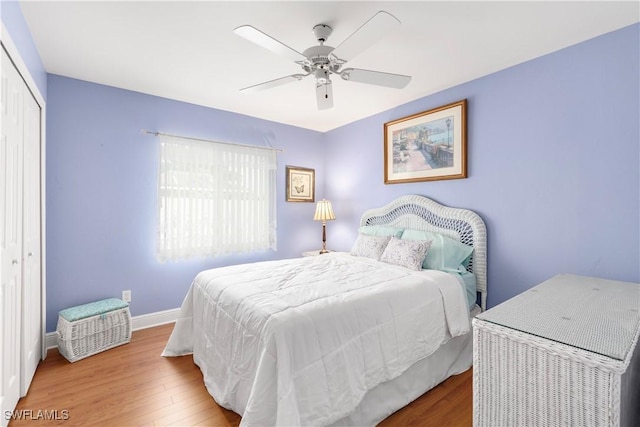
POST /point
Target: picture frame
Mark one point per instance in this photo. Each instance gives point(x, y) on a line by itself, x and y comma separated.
point(301, 184)
point(427, 146)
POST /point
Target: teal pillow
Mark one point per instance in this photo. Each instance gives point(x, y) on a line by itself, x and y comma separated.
point(445, 254)
point(381, 230)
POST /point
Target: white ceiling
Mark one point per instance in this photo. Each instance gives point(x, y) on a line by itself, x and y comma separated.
point(187, 50)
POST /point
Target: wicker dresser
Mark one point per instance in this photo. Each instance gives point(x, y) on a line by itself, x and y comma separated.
point(562, 353)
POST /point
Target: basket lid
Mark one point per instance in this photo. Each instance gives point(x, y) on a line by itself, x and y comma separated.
point(597, 315)
point(92, 309)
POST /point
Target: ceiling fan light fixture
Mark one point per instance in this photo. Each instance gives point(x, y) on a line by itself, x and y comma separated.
point(322, 77)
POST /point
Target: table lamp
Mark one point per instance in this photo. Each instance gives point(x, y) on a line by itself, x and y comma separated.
point(324, 213)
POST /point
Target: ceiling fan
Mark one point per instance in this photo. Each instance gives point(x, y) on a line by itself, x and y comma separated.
point(321, 61)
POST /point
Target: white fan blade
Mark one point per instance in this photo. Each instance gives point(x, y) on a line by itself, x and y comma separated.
point(261, 39)
point(397, 81)
point(273, 83)
point(370, 32)
point(324, 95)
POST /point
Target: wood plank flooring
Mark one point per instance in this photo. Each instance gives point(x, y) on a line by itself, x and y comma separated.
point(132, 385)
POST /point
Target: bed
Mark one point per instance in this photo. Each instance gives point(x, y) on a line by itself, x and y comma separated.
point(340, 338)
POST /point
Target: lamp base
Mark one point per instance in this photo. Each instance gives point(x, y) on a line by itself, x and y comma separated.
point(324, 239)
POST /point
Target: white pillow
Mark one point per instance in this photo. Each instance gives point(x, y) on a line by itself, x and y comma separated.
point(370, 246)
point(407, 253)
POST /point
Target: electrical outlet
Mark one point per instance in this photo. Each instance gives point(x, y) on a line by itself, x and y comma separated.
point(126, 296)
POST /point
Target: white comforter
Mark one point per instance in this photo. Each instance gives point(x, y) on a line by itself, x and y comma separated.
point(300, 341)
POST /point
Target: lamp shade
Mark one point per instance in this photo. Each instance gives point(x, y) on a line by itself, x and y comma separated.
point(324, 211)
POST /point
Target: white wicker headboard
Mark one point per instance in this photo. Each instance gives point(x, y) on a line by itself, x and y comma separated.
point(422, 213)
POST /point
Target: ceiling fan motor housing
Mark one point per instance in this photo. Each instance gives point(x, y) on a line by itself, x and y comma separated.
point(318, 59)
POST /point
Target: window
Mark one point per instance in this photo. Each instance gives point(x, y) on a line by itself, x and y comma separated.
point(214, 198)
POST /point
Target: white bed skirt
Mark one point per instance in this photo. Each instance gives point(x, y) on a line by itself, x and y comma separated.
point(452, 358)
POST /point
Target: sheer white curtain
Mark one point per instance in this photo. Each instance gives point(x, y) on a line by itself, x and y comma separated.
point(214, 198)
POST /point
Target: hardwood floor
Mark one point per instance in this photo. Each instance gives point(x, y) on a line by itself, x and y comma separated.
point(132, 385)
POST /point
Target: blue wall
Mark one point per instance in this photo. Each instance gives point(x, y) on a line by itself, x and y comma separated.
point(14, 22)
point(553, 157)
point(101, 193)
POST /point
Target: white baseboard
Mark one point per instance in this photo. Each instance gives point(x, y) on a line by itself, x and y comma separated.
point(150, 320)
point(142, 321)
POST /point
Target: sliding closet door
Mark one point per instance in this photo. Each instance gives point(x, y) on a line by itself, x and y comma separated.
point(11, 157)
point(31, 231)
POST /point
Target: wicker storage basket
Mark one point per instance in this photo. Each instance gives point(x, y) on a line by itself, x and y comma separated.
point(92, 328)
point(563, 353)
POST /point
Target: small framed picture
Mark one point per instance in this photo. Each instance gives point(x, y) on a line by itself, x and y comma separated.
point(428, 146)
point(301, 184)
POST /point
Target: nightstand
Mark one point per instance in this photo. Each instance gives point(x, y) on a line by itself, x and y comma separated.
point(312, 253)
point(561, 353)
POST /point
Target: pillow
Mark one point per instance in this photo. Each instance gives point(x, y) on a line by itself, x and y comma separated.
point(370, 246)
point(381, 230)
point(407, 253)
point(445, 253)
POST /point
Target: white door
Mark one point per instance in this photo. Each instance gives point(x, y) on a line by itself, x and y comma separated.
point(31, 272)
point(11, 100)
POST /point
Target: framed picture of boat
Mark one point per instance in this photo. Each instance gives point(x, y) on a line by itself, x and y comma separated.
point(427, 146)
point(301, 183)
